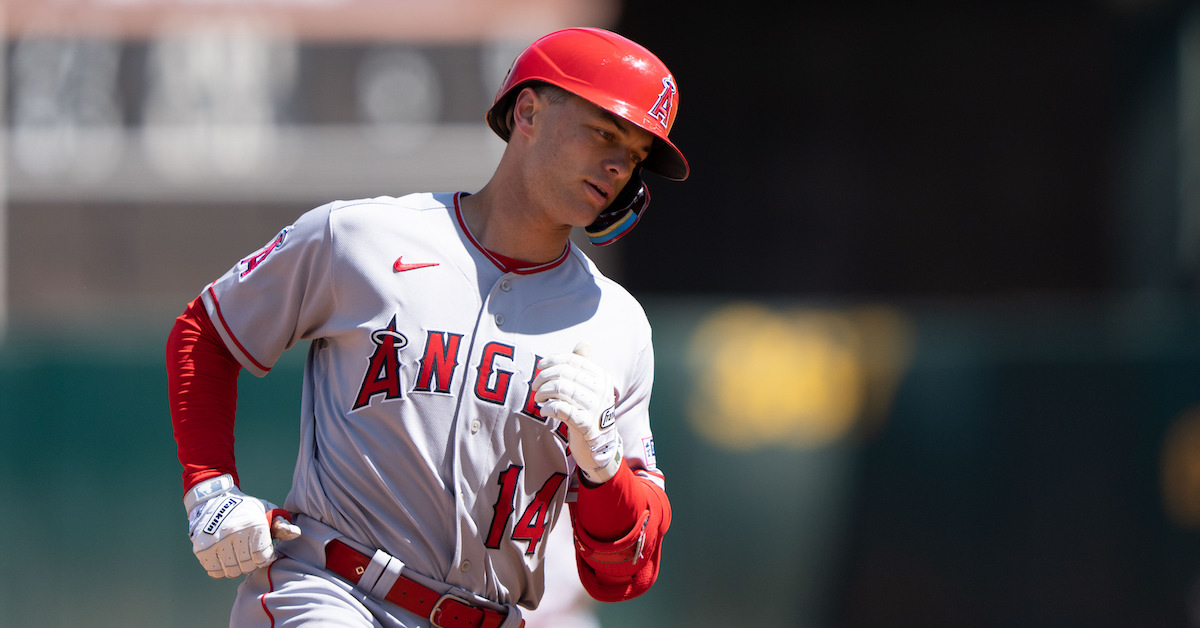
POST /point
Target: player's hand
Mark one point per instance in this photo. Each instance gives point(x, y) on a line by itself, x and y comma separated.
point(231, 532)
point(575, 390)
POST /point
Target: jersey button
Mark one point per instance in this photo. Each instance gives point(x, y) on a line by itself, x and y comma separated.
point(506, 285)
point(465, 566)
point(475, 425)
point(499, 320)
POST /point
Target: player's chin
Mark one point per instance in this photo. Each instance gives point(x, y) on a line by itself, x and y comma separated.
point(585, 211)
point(587, 218)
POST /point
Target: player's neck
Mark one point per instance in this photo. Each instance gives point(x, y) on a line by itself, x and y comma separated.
point(500, 226)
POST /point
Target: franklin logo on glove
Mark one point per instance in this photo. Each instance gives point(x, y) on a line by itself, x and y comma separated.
point(222, 511)
point(607, 419)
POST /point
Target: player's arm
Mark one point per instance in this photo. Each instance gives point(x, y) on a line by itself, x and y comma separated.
point(202, 378)
point(619, 517)
point(619, 526)
point(230, 531)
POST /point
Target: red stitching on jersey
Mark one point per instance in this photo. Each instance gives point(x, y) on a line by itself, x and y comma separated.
point(221, 317)
point(270, 589)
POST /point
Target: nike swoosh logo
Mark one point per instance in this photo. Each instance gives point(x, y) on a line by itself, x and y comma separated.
point(400, 266)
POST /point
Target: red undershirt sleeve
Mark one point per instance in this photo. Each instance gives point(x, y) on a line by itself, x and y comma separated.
point(202, 391)
point(619, 526)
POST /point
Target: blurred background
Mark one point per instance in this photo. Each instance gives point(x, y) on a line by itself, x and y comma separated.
point(926, 312)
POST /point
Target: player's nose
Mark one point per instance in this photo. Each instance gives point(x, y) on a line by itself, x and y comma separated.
point(620, 165)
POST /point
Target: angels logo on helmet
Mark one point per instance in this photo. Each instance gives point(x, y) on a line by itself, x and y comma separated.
point(662, 108)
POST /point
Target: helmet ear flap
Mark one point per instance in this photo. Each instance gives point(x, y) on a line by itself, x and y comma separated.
point(622, 214)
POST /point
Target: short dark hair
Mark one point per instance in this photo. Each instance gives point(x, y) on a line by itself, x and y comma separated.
point(552, 93)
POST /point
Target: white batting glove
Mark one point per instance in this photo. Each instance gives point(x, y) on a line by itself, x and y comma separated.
point(576, 391)
point(231, 532)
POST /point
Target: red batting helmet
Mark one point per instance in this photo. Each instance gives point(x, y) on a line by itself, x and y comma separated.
point(610, 71)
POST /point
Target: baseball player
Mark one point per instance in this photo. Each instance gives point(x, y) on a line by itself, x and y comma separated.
point(470, 374)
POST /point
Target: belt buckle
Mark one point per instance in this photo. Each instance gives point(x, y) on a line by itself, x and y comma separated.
point(434, 615)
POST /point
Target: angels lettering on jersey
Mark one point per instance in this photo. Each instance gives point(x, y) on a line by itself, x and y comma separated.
point(437, 369)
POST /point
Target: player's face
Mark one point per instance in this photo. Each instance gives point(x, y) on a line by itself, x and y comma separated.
point(589, 157)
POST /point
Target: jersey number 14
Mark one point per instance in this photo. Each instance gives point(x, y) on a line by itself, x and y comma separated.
point(531, 526)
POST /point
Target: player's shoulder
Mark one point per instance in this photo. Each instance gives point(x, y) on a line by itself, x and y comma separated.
point(615, 295)
point(418, 211)
point(416, 202)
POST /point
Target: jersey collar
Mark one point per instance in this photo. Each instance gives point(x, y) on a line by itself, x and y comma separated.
point(505, 264)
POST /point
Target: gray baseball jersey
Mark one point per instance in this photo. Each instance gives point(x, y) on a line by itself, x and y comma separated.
point(419, 434)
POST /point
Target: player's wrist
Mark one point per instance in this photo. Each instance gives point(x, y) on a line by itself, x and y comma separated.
point(597, 461)
point(208, 489)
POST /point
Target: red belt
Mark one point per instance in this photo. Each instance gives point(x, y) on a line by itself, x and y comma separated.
point(443, 611)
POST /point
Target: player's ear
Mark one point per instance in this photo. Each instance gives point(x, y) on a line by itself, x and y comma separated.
point(524, 110)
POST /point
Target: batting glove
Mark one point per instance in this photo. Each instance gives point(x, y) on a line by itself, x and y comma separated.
point(231, 532)
point(575, 390)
